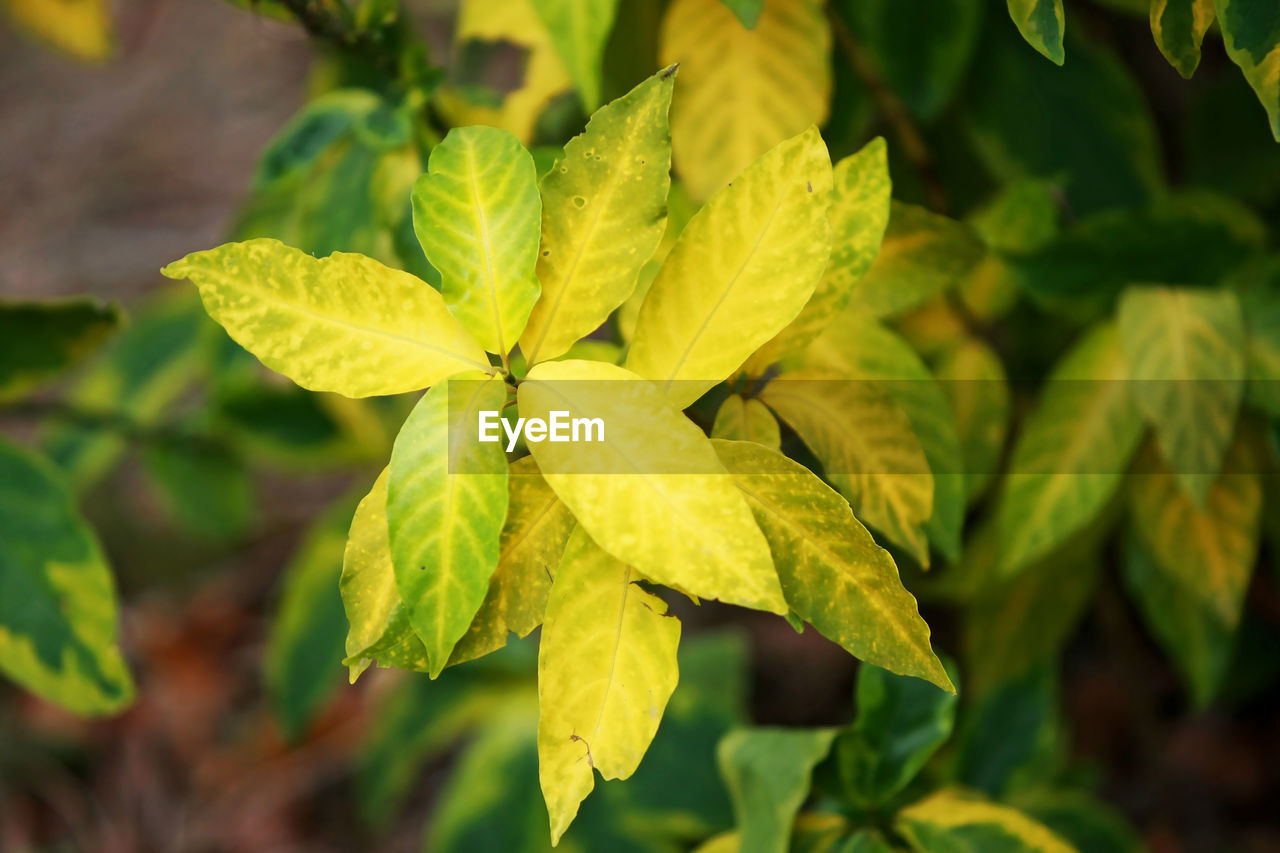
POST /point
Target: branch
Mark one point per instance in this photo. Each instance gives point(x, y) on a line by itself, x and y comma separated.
point(895, 113)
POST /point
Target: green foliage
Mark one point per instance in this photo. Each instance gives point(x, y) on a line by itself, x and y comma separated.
point(1045, 360)
point(39, 340)
point(885, 774)
point(58, 613)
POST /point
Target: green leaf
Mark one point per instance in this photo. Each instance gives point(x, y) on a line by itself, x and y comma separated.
point(859, 348)
point(1042, 24)
point(1192, 238)
point(344, 323)
point(741, 270)
point(1012, 736)
point(303, 658)
point(951, 822)
point(203, 485)
point(767, 772)
point(1251, 33)
point(1181, 620)
point(1079, 819)
point(1021, 219)
point(653, 493)
point(1179, 27)
point(832, 572)
point(1087, 120)
point(418, 720)
point(337, 177)
point(476, 212)
point(972, 377)
point(603, 215)
point(143, 371)
point(579, 30)
point(742, 91)
point(901, 722)
point(490, 803)
point(922, 59)
point(446, 504)
point(746, 419)
point(58, 612)
point(746, 11)
point(867, 448)
point(533, 539)
point(606, 667)
point(1072, 453)
point(1207, 550)
point(39, 340)
point(1185, 352)
point(1016, 624)
point(922, 255)
point(859, 214)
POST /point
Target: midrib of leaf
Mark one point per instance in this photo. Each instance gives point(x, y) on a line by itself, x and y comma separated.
point(613, 660)
point(347, 324)
point(483, 222)
point(824, 550)
point(645, 476)
point(610, 186)
point(706, 321)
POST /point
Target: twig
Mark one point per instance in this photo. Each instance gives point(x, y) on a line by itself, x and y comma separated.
point(893, 111)
point(340, 31)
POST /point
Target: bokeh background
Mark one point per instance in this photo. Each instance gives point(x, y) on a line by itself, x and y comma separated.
point(107, 172)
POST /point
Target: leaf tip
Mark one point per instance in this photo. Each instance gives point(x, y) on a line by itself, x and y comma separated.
point(669, 72)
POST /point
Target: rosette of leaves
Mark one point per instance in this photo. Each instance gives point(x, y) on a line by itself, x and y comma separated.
point(456, 545)
point(908, 775)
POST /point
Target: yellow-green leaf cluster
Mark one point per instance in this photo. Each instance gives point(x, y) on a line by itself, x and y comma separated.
point(743, 90)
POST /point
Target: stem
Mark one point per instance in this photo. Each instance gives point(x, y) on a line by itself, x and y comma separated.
point(341, 32)
point(895, 113)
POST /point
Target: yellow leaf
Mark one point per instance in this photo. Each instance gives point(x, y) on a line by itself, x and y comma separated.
point(476, 212)
point(1210, 550)
point(533, 537)
point(344, 323)
point(986, 825)
point(833, 573)
point(603, 214)
point(867, 448)
point(742, 269)
point(742, 419)
point(858, 215)
point(446, 505)
point(606, 668)
point(513, 21)
point(742, 91)
point(653, 493)
point(80, 27)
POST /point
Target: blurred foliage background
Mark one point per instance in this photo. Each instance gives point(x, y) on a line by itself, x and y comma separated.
point(221, 493)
